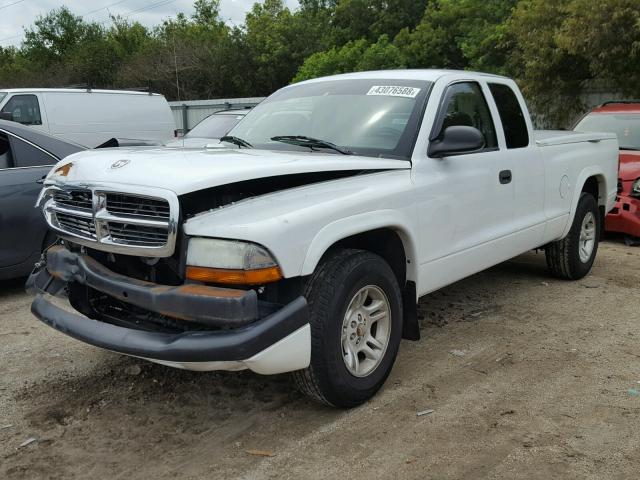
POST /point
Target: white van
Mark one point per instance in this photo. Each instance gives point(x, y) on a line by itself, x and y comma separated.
point(90, 117)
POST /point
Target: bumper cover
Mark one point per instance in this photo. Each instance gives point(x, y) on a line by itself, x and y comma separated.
point(218, 307)
point(249, 345)
point(625, 216)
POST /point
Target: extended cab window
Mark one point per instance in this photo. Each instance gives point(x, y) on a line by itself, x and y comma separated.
point(464, 105)
point(24, 109)
point(511, 116)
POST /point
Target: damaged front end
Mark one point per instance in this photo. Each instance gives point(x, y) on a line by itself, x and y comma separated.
point(188, 326)
point(122, 266)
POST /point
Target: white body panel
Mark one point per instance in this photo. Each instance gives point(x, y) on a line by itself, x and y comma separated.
point(452, 214)
point(90, 118)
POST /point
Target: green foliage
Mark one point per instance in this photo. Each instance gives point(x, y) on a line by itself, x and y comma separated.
point(561, 49)
point(369, 19)
point(358, 55)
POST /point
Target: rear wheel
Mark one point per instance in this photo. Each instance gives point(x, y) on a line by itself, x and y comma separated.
point(355, 312)
point(572, 257)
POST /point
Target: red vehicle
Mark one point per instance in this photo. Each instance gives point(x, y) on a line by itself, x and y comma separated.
point(623, 119)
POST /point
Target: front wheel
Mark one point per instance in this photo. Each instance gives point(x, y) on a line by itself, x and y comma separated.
point(572, 257)
point(355, 312)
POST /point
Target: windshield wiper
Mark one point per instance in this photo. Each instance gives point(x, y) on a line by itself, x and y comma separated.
point(627, 147)
point(304, 141)
point(236, 141)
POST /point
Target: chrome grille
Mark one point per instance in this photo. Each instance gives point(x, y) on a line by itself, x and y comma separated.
point(84, 227)
point(136, 234)
point(142, 223)
point(118, 203)
point(74, 198)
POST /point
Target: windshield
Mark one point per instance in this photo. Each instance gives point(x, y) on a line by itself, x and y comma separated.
point(2, 95)
point(625, 125)
point(378, 118)
point(214, 126)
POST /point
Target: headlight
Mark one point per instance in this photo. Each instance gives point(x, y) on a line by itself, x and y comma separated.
point(635, 190)
point(230, 262)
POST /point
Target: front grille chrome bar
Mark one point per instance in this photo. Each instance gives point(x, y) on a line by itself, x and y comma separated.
point(147, 228)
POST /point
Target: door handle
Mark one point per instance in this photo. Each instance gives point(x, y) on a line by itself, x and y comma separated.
point(505, 176)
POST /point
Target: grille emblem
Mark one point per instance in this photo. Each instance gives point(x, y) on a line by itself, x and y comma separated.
point(120, 163)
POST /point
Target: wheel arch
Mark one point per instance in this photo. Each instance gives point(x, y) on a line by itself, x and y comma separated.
point(591, 180)
point(382, 234)
point(373, 232)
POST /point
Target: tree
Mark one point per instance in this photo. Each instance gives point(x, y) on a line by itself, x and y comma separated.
point(369, 19)
point(552, 78)
point(459, 34)
point(358, 55)
point(606, 34)
point(278, 41)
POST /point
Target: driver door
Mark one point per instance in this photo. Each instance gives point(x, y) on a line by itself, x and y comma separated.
point(466, 203)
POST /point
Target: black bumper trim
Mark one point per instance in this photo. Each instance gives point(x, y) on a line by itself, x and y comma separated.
point(196, 346)
point(213, 306)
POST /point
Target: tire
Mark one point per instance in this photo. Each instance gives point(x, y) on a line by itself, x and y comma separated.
point(340, 281)
point(566, 258)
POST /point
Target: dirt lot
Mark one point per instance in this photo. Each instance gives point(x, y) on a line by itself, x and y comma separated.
point(545, 386)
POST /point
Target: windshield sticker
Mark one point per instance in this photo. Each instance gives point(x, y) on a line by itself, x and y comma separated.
point(394, 91)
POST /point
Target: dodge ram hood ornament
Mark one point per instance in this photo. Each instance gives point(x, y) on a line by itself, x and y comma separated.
point(120, 163)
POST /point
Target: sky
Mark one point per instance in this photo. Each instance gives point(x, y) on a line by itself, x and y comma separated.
point(16, 14)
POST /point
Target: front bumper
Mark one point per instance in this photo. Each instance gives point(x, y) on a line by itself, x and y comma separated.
point(278, 342)
point(625, 216)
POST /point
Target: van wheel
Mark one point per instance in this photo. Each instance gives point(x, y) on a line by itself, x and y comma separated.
point(355, 312)
point(572, 257)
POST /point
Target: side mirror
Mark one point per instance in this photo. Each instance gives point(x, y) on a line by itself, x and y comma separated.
point(455, 140)
point(6, 116)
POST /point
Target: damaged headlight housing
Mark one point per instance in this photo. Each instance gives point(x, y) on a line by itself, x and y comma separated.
point(635, 189)
point(214, 260)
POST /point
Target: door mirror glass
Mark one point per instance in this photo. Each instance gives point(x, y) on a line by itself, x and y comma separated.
point(456, 140)
point(6, 116)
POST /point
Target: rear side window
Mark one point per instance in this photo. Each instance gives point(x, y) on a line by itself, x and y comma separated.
point(511, 116)
point(26, 155)
point(24, 109)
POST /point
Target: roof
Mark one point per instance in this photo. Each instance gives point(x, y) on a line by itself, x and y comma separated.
point(428, 74)
point(619, 106)
point(74, 90)
point(54, 145)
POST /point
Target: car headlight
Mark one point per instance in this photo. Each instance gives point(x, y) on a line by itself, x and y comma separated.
point(233, 262)
point(635, 189)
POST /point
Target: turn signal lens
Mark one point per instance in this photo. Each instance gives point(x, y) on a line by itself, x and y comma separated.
point(234, 277)
point(63, 171)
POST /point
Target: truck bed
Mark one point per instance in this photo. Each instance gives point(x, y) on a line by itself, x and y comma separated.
point(546, 138)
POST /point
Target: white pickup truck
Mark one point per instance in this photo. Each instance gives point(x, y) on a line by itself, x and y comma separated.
point(303, 241)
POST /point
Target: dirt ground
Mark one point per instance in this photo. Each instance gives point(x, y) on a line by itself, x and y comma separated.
point(543, 382)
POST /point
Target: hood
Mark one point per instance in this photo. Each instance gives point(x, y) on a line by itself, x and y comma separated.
point(184, 170)
point(629, 165)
